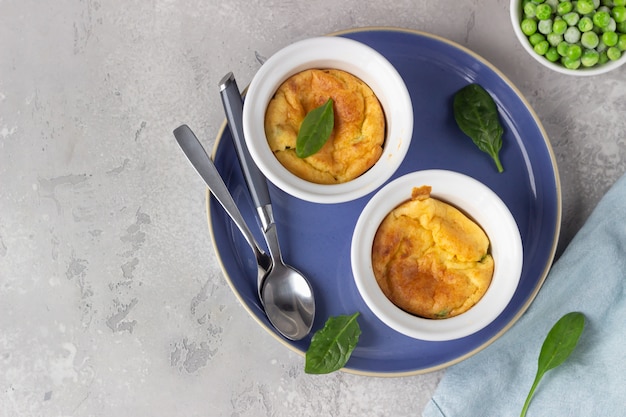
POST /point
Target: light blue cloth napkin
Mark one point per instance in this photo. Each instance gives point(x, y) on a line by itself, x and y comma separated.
point(589, 277)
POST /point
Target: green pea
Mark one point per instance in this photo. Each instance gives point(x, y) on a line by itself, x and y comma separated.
point(570, 63)
point(545, 26)
point(552, 55)
point(574, 52)
point(610, 38)
point(619, 14)
point(535, 38)
point(564, 7)
point(621, 43)
point(538, 1)
point(585, 24)
point(571, 18)
point(589, 58)
point(543, 11)
point(589, 40)
point(529, 26)
point(542, 47)
point(554, 39)
point(559, 26)
point(572, 34)
point(621, 27)
point(530, 9)
point(601, 19)
point(585, 6)
point(562, 48)
point(611, 27)
point(603, 58)
point(619, 2)
point(613, 53)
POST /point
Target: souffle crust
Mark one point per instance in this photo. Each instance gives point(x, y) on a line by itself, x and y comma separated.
point(357, 139)
point(430, 259)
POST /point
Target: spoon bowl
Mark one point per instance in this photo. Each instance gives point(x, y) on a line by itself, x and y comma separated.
point(287, 299)
point(287, 294)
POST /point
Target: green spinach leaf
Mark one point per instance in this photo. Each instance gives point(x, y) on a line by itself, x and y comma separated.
point(332, 345)
point(477, 115)
point(558, 346)
point(315, 129)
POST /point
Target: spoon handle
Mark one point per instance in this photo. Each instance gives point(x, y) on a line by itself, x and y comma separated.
point(257, 184)
point(198, 157)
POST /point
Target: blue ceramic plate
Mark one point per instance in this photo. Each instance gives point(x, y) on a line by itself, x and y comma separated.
point(316, 238)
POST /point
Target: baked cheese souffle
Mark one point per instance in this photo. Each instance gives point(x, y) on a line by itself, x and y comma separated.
point(430, 259)
point(358, 135)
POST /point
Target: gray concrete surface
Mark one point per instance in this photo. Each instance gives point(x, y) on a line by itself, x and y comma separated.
point(111, 299)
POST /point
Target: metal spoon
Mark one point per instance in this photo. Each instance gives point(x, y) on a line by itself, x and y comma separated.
point(277, 313)
point(287, 293)
point(199, 159)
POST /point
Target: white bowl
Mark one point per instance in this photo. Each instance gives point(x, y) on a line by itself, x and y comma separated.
point(516, 14)
point(353, 57)
point(484, 207)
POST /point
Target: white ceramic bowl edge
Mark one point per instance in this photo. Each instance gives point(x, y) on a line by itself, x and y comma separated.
point(481, 204)
point(351, 56)
point(515, 13)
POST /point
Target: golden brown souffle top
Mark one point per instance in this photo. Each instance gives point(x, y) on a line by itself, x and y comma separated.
point(356, 141)
point(430, 259)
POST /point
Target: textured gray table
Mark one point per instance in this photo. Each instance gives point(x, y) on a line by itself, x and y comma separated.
point(111, 298)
